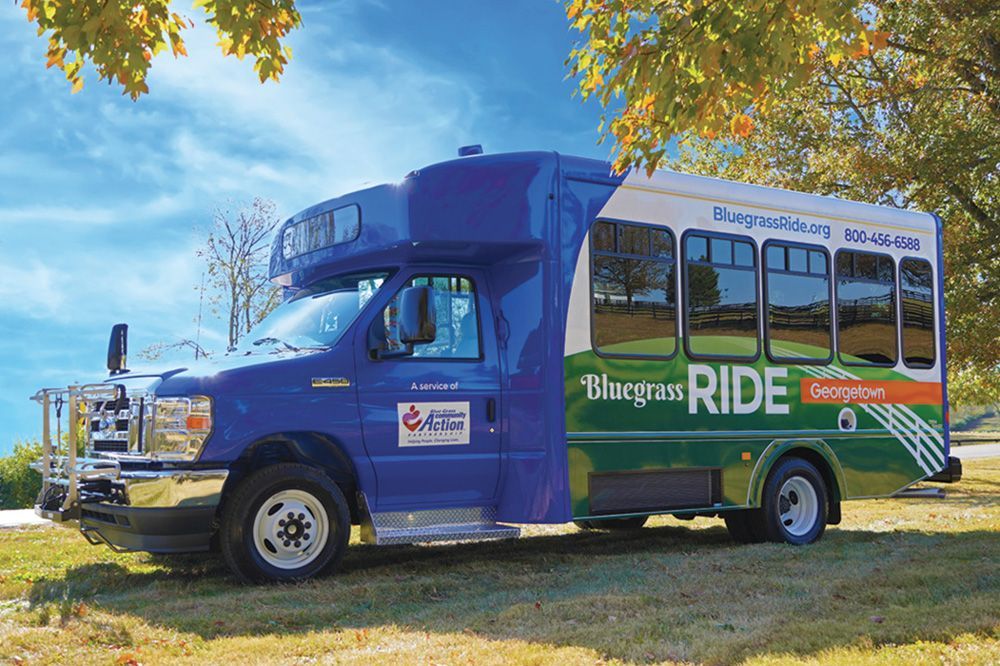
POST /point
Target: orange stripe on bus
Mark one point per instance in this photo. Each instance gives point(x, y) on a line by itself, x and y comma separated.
point(870, 392)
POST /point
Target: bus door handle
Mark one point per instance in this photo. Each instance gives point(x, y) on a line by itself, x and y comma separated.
point(491, 410)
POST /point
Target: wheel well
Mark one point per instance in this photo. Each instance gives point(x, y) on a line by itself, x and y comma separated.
point(308, 448)
point(832, 487)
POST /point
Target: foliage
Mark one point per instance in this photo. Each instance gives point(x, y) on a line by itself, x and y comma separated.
point(119, 38)
point(19, 484)
point(909, 118)
point(237, 252)
point(700, 67)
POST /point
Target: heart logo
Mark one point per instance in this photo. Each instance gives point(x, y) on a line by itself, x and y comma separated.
point(412, 419)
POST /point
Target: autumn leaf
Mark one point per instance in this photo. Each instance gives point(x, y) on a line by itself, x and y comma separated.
point(741, 125)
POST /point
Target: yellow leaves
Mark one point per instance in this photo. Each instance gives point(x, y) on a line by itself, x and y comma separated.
point(573, 9)
point(741, 125)
point(120, 39)
point(77, 85)
point(593, 81)
point(56, 56)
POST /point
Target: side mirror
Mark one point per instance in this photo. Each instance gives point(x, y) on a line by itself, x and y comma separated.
point(417, 316)
point(118, 349)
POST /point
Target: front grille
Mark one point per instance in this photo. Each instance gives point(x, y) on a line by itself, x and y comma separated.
point(654, 490)
point(111, 446)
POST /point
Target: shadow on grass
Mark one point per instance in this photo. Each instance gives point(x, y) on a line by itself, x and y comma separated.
point(657, 593)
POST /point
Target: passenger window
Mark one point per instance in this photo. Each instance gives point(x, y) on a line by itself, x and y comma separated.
point(457, 319)
point(866, 308)
point(634, 306)
point(798, 304)
point(721, 290)
point(917, 294)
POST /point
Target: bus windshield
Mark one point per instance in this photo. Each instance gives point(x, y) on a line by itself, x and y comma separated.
point(315, 317)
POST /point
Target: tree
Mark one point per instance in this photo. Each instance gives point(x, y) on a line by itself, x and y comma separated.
point(631, 276)
point(156, 350)
point(698, 67)
point(236, 253)
point(907, 116)
point(119, 38)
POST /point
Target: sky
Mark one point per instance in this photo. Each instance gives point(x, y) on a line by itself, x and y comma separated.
point(103, 201)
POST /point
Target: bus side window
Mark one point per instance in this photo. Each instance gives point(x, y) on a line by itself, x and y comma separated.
point(633, 298)
point(797, 294)
point(721, 295)
point(916, 287)
point(866, 308)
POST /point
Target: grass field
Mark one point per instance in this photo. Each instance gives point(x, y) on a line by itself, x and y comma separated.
point(899, 582)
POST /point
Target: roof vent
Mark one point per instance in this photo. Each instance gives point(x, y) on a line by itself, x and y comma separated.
point(475, 149)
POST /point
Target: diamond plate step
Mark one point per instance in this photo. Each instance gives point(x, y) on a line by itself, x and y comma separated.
point(460, 524)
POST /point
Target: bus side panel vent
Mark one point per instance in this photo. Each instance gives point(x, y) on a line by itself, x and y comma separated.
point(654, 490)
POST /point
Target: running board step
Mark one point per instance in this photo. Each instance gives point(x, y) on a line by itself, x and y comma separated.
point(463, 524)
point(931, 493)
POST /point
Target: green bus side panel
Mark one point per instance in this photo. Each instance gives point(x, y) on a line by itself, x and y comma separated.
point(655, 424)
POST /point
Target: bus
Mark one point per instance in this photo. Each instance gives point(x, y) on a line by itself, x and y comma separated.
point(529, 337)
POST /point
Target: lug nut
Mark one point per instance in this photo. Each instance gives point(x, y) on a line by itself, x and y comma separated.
point(298, 544)
point(302, 516)
point(305, 537)
point(291, 515)
point(287, 544)
point(308, 525)
point(281, 523)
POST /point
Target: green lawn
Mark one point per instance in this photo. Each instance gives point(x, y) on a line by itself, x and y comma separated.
point(899, 582)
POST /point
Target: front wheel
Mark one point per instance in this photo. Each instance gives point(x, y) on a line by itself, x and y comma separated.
point(286, 522)
point(794, 505)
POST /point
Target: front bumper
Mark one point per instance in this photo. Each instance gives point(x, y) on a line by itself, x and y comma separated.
point(162, 511)
point(118, 500)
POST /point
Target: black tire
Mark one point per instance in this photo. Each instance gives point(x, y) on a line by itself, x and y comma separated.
point(799, 516)
point(741, 525)
point(613, 524)
point(239, 540)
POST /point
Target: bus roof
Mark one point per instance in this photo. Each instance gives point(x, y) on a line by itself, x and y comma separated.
point(483, 208)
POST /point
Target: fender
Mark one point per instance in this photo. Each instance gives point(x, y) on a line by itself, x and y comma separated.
point(778, 448)
point(307, 447)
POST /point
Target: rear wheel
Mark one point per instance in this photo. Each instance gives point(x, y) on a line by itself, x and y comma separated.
point(794, 504)
point(286, 522)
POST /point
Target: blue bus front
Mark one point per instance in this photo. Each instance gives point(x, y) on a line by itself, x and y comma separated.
point(389, 389)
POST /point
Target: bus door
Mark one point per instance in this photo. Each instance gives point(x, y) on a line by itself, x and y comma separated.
point(430, 418)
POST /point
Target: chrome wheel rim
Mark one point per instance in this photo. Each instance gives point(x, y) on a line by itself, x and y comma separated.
point(290, 529)
point(798, 506)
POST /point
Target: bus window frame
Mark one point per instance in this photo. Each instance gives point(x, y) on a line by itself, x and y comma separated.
point(895, 309)
point(417, 275)
point(616, 253)
point(899, 306)
point(684, 295)
point(766, 304)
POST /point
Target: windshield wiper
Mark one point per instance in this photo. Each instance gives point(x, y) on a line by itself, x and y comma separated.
point(274, 341)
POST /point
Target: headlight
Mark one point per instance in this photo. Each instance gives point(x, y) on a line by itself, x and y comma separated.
point(180, 427)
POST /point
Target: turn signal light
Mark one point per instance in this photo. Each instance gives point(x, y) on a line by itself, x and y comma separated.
point(199, 422)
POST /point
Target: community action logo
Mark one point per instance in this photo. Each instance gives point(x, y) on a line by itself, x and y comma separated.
point(433, 423)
